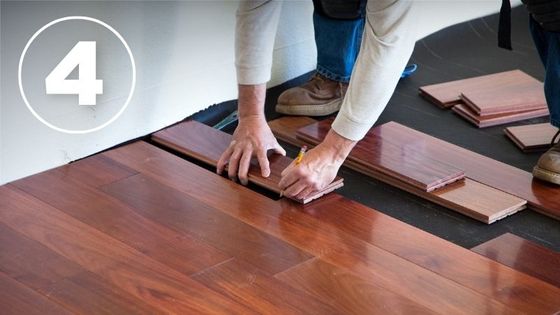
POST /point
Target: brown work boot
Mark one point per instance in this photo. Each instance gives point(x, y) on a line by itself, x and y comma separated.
point(548, 166)
point(318, 97)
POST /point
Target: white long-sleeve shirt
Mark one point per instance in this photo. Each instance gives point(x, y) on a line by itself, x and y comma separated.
point(387, 44)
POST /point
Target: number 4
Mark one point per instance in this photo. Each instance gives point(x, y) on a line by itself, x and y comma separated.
point(87, 86)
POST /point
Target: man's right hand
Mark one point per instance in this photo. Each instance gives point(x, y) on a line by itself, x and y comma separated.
point(252, 138)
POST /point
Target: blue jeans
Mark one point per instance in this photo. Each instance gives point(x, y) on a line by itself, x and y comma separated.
point(338, 43)
point(548, 46)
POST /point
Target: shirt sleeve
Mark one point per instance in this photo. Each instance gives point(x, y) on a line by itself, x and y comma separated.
point(255, 31)
point(387, 43)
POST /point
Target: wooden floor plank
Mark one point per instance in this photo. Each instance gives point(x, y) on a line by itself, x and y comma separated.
point(95, 170)
point(540, 196)
point(404, 162)
point(259, 291)
point(116, 263)
point(498, 119)
point(523, 255)
point(285, 128)
point(346, 291)
point(17, 299)
point(288, 221)
point(207, 144)
point(62, 280)
point(185, 214)
point(180, 251)
point(531, 138)
point(447, 94)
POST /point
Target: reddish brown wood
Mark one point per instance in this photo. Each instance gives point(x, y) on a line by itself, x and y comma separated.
point(62, 280)
point(445, 279)
point(498, 119)
point(523, 255)
point(448, 94)
point(17, 299)
point(403, 162)
point(285, 128)
point(531, 138)
point(517, 97)
point(361, 295)
point(181, 251)
point(182, 213)
point(540, 196)
point(95, 170)
point(255, 289)
point(207, 144)
point(116, 263)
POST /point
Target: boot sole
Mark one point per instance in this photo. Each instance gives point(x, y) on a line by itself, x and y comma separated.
point(546, 175)
point(310, 110)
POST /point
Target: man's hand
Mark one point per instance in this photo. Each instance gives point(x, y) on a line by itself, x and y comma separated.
point(251, 138)
point(318, 167)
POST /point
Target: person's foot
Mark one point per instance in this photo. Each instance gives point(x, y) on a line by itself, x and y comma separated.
point(318, 97)
point(548, 166)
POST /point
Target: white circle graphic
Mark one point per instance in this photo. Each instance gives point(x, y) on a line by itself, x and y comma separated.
point(133, 84)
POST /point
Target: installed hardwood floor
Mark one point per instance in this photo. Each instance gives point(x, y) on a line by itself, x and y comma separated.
point(523, 255)
point(207, 144)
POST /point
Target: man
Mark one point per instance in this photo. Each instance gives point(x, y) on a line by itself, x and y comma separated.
point(388, 41)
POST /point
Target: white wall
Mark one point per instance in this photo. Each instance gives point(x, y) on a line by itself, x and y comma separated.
point(184, 58)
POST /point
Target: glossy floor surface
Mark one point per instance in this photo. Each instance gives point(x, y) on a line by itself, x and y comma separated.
point(140, 230)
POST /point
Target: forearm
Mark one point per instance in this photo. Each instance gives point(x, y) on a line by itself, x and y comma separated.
point(251, 102)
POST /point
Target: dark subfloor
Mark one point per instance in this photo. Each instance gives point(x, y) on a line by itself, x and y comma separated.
point(464, 50)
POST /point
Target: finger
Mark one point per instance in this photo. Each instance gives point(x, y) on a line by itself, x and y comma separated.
point(278, 149)
point(244, 164)
point(305, 193)
point(295, 189)
point(288, 169)
point(223, 160)
point(288, 179)
point(263, 163)
point(233, 164)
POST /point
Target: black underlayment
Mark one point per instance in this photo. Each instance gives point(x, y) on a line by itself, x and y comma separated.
point(461, 51)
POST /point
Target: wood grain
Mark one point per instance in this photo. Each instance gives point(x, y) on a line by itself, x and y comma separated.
point(185, 214)
point(498, 119)
point(523, 255)
point(95, 171)
point(181, 251)
point(404, 162)
point(447, 279)
point(532, 138)
point(285, 128)
point(207, 144)
point(116, 263)
point(448, 94)
point(517, 97)
point(255, 289)
point(540, 196)
point(361, 295)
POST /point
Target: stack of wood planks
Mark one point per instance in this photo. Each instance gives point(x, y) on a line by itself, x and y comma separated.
point(491, 100)
point(532, 138)
point(475, 185)
point(138, 230)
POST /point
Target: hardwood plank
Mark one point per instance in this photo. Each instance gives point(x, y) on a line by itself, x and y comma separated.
point(296, 225)
point(531, 138)
point(404, 162)
point(346, 291)
point(540, 196)
point(17, 299)
point(285, 128)
point(116, 263)
point(523, 255)
point(181, 251)
point(498, 119)
point(95, 170)
point(207, 145)
point(62, 280)
point(517, 97)
point(447, 94)
point(259, 291)
point(185, 214)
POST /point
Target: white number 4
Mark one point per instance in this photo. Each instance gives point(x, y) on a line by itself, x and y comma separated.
point(87, 86)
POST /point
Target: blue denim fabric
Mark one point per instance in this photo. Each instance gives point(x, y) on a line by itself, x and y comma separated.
point(548, 46)
point(338, 43)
